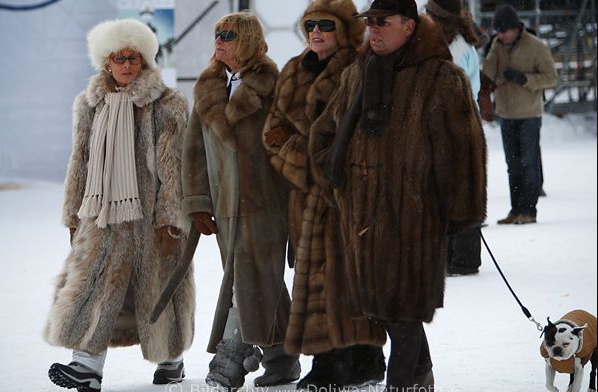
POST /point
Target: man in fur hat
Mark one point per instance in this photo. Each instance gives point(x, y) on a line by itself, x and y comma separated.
point(408, 162)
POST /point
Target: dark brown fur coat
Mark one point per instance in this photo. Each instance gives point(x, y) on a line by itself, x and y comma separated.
point(424, 175)
point(319, 321)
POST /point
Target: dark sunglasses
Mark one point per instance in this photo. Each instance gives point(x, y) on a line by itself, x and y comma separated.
point(120, 59)
point(226, 35)
point(325, 25)
point(380, 22)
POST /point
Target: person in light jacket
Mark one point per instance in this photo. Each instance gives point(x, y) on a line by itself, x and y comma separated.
point(521, 67)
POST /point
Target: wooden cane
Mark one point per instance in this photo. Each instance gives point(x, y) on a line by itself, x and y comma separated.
point(177, 276)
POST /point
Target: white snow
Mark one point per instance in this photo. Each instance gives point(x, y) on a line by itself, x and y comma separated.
point(479, 342)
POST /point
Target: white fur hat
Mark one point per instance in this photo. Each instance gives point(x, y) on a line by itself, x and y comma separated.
point(114, 35)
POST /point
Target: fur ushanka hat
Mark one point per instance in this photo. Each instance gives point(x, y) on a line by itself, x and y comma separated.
point(350, 30)
point(114, 35)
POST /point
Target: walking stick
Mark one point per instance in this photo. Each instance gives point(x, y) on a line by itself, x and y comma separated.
point(177, 276)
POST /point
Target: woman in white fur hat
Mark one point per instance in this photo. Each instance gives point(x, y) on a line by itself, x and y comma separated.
point(122, 206)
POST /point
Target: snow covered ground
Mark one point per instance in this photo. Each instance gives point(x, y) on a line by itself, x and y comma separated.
point(479, 342)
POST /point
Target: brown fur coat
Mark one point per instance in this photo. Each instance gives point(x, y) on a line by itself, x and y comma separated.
point(319, 321)
point(226, 172)
point(113, 277)
point(423, 175)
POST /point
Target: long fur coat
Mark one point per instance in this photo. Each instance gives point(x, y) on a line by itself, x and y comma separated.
point(226, 173)
point(422, 177)
point(113, 276)
point(319, 321)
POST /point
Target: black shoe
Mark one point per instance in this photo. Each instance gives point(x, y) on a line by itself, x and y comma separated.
point(330, 371)
point(169, 372)
point(369, 367)
point(75, 376)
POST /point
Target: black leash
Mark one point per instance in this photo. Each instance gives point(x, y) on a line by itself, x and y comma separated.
point(526, 312)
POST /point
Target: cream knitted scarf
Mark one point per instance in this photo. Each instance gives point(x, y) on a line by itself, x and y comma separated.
point(111, 191)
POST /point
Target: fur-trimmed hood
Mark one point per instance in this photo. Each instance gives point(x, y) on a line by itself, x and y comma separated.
point(222, 114)
point(318, 91)
point(427, 42)
point(350, 30)
point(144, 90)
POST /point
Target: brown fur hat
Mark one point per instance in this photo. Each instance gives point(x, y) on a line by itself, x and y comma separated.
point(350, 30)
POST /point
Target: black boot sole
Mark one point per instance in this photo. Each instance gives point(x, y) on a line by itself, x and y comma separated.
point(62, 380)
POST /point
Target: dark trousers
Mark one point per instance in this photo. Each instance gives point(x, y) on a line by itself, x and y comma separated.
point(521, 142)
point(409, 355)
point(465, 251)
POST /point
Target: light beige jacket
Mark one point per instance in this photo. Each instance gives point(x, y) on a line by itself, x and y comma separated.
point(533, 58)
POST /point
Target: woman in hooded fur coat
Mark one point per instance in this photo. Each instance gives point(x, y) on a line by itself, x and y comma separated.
point(319, 324)
point(123, 207)
point(227, 177)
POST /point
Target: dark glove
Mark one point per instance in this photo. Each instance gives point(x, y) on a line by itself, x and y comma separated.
point(167, 238)
point(204, 223)
point(277, 137)
point(72, 231)
point(515, 76)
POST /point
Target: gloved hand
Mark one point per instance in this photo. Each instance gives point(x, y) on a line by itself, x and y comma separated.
point(515, 76)
point(277, 137)
point(72, 231)
point(167, 238)
point(204, 223)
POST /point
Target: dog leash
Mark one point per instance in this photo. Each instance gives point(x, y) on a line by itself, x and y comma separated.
point(525, 311)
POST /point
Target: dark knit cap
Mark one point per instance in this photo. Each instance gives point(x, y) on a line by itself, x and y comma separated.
point(505, 19)
point(444, 8)
point(382, 8)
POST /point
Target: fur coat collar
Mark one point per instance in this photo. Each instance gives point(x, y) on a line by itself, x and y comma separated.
point(145, 89)
point(220, 113)
point(293, 77)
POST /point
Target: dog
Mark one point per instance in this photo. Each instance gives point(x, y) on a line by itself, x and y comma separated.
point(568, 345)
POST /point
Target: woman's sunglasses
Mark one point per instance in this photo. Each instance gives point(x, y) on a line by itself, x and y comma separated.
point(325, 25)
point(226, 35)
point(120, 59)
point(380, 22)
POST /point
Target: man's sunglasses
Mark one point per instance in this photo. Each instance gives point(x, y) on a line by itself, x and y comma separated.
point(120, 59)
point(380, 22)
point(325, 25)
point(226, 35)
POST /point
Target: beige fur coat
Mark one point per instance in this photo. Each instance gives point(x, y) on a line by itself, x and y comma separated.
point(113, 277)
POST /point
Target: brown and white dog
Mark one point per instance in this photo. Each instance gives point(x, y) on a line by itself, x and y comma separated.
point(569, 344)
